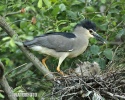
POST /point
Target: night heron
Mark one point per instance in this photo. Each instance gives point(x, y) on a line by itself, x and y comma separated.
point(61, 44)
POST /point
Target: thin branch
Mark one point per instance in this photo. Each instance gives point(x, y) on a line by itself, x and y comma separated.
point(12, 13)
point(16, 68)
point(29, 55)
point(114, 95)
point(23, 69)
point(20, 21)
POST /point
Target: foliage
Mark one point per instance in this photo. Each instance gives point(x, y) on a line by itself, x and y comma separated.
point(31, 18)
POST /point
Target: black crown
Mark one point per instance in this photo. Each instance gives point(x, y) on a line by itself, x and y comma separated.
point(87, 24)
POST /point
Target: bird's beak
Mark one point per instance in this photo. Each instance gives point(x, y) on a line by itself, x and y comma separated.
point(98, 37)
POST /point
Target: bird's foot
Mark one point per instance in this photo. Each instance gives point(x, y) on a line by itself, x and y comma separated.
point(61, 72)
point(44, 62)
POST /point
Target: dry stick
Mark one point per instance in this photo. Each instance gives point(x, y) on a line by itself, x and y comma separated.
point(15, 68)
point(114, 95)
point(27, 67)
point(6, 87)
point(29, 55)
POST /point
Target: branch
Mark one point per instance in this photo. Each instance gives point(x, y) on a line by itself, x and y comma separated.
point(114, 95)
point(12, 13)
point(29, 55)
point(6, 87)
point(27, 67)
point(16, 68)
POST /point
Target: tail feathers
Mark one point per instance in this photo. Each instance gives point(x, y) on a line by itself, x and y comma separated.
point(29, 43)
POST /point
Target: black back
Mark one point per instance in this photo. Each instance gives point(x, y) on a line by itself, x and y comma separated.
point(67, 35)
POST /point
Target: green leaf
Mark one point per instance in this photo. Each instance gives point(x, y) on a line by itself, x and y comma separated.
point(72, 24)
point(12, 44)
point(90, 9)
point(1, 96)
point(40, 4)
point(2, 7)
point(55, 10)
point(54, 0)
point(123, 17)
point(108, 53)
point(104, 26)
point(62, 7)
point(120, 33)
point(114, 11)
point(47, 3)
point(94, 49)
point(18, 89)
point(32, 28)
point(93, 40)
point(30, 8)
point(71, 14)
point(19, 43)
point(23, 24)
point(103, 1)
point(6, 38)
point(76, 2)
point(101, 61)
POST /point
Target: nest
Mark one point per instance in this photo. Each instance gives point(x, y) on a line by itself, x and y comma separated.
point(109, 85)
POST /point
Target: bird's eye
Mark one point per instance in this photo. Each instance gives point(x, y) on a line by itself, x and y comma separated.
point(90, 30)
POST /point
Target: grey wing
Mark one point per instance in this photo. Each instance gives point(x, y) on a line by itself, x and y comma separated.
point(57, 42)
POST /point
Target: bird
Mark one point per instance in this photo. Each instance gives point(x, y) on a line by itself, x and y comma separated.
point(87, 69)
point(62, 45)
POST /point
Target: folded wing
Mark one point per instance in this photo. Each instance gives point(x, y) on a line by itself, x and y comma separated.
point(58, 41)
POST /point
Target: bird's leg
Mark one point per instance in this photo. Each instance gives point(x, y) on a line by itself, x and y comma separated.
point(60, 62)
point(58, 69)
point(44, 62)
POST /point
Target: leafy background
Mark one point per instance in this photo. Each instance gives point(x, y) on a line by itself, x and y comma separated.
point(31, 18)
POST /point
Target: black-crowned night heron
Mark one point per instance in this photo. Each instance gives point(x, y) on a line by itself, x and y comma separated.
point(62, 44)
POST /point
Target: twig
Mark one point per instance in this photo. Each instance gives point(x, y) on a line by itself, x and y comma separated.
point(12, 13)
point(20, 21)
point(16, 68)
point(114, 95)
point(70, 94)
point(23, 69)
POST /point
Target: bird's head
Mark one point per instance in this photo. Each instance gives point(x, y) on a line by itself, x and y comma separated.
point(89, 28)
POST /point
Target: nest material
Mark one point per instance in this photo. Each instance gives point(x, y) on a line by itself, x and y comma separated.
point(106, 86)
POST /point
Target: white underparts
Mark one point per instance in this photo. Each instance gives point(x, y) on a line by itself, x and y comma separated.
point(48, 51)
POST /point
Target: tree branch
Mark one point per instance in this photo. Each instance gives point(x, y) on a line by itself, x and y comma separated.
point(29, 55)
point(6, 87)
